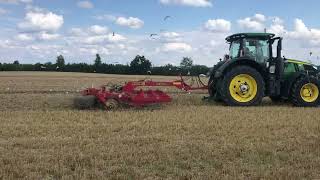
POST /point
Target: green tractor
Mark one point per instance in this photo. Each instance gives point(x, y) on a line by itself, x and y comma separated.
point(251, 72)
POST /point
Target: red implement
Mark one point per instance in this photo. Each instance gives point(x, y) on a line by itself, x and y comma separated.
point(128, 94)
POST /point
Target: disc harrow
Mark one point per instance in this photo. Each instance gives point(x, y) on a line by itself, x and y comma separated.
point(129, 94)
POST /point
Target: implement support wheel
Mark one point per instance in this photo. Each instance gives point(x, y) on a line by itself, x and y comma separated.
point(111, 104)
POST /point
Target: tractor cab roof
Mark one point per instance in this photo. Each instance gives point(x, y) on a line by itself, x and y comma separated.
point(262, 36)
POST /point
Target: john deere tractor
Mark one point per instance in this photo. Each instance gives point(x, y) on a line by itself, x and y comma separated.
point(253, 71)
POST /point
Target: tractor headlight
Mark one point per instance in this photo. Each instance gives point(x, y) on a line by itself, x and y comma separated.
point(272, 69)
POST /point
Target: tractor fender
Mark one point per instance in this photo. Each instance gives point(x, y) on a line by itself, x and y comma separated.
point(240, 61)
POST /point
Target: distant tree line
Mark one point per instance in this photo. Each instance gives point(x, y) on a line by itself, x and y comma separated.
point(138, 66)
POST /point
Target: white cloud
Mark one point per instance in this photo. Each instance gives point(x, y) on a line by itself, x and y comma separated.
point(24, 37)
point(15, 1)
point(85, 4)
point(47, 36)
point(277, 20)
point(277, 26)
point(98, 39)
point(41, 21)
point(218, 25)
point(91, 51)
point(107, 17)
point(176, 47)
point(255, 23)
point(300, 30)
point(77, 32)
point(171, 36)
point(115, 38)
point(132, 22)
point(194, 3)
point(96, 29)
point(259, 18)
point(307, 36)
point(277, 29)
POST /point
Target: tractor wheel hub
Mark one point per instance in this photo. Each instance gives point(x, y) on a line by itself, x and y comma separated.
point(244, 88)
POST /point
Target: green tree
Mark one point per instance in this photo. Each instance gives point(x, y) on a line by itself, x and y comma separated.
point(98, 64)
point(16, 62)
point(140, 65)
point(60, 63)
point(186, 63)
point(97, 61)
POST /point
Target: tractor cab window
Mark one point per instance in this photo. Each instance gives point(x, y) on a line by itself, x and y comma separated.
point(234, 49)
point(256, 49)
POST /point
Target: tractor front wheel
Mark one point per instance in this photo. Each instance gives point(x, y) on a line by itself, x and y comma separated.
point(242, 86)
point(305, 92)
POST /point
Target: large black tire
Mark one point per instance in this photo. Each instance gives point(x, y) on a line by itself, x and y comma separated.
point(84, 102)
point(296, 98)
point(228, 77)
point(213, 92)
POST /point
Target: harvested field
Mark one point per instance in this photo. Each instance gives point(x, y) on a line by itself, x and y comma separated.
point(43, 137)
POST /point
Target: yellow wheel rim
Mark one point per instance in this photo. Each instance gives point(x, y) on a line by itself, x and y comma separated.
point(243, 88)
point(309, 92)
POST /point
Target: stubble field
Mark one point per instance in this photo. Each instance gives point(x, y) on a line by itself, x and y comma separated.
point(43, 137)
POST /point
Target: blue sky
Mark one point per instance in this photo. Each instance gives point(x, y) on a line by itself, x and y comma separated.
point(39, 30)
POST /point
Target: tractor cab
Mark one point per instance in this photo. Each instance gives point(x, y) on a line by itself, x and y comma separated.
point(254, 68)
point(258, 47)
point(255, 46)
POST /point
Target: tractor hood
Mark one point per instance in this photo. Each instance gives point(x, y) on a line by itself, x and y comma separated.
point(311, 68)
point(299, 62)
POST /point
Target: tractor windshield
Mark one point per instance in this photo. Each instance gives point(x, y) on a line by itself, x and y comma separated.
point(256, 49)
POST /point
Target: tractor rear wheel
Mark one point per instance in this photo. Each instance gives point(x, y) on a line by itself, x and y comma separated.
point(242, 86)
point(84, 102)
point(305, 92)
point(213, 92)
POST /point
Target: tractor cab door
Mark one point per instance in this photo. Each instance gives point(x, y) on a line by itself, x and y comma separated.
point(275, 68)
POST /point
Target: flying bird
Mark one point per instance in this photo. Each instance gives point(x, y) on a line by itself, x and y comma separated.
point(167, 17)
point(151, 35)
